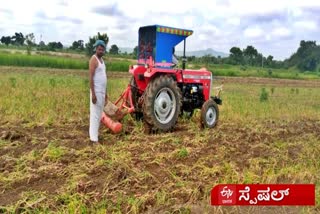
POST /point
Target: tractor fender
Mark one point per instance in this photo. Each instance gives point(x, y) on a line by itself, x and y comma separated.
point(155, 72)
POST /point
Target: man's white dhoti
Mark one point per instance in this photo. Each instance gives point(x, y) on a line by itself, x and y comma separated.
point(95, 115)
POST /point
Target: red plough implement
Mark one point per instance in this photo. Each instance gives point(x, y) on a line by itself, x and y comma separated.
point(113, 113)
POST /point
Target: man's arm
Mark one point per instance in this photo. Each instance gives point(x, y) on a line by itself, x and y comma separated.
point(106, 96)
point(92, 69)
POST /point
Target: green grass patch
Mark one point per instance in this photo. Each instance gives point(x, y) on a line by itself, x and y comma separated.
point(46, 61)
point(182, 153)
point(53, 152)
point(41, 61)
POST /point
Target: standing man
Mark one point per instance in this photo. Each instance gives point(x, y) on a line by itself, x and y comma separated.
point(98, 85)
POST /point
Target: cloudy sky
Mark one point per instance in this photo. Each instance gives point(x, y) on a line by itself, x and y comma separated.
point(272, 26)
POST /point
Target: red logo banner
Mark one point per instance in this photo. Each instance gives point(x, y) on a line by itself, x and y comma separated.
point(263, 194)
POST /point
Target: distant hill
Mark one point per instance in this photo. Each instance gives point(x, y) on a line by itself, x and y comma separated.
point(126, 49)
point(198, 53)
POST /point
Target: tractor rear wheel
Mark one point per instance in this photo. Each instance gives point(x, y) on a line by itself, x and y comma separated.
point(209, 114)
point(162, 103)
point(137, 115)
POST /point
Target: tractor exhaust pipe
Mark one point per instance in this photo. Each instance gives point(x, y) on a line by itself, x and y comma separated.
point(184, 60)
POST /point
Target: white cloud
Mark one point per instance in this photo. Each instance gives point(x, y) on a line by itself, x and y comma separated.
point(281, 32)
point(268, 37)
point(306, 25)
point(253, 32)
point(234, 21)
point(296, 12)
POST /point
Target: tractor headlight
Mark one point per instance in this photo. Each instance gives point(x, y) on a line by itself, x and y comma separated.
point(194, 89)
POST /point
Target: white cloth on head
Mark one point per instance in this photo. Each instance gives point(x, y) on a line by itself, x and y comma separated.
point(100, 84)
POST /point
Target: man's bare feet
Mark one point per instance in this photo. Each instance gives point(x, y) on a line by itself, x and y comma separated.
point(94, 143)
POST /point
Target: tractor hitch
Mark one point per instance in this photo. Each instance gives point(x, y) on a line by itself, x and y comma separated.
point(218, 100)
point(217, 97)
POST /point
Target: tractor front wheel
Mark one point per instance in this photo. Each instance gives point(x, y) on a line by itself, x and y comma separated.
point(162, 103)
point(209, 114)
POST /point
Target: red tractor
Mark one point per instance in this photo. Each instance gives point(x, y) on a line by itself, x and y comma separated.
point(159, 92)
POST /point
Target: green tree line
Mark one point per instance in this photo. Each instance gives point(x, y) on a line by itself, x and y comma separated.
point(18, 39)
point(306, 58)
